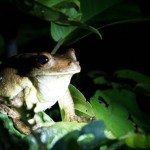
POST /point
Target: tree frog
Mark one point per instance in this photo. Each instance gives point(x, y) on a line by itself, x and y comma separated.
point(35, 82)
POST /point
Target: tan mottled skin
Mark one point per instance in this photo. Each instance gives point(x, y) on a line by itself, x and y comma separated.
point(26, 83)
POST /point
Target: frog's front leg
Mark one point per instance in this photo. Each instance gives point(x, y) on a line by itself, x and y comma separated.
point(67, 109)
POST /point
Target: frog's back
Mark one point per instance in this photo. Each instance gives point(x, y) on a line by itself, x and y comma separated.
point(21, 62)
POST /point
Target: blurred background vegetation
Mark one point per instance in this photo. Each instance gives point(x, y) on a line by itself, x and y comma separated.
point(111, 39)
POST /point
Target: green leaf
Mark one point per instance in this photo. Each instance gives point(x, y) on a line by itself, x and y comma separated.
point(60, 32)
point(51, 135)
point(114, 114)
point(45, 137)
point(58, 11)
point(14, 137)
point(100, 14)
point(119, 110)
point(60, 3)
point(127, 99)
point(65, 32)
point(89, 9)
point(143, 88)
point(9, 125)
point(97, 128)
point(81, 105)
point(133, 75)
point(116, 145)
point(138, 141)
point(100, 80)
point(89, 137)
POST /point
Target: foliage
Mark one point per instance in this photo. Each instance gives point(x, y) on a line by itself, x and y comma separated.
point(69, 18)
point(72, 20)
point(118, 105)
point(120, 123)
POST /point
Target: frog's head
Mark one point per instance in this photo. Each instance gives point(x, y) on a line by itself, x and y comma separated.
point(47, 64)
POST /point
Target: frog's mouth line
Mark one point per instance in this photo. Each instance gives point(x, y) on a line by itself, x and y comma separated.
point(54, 73)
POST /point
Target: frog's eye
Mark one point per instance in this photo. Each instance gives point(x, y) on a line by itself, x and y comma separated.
point(42, 59)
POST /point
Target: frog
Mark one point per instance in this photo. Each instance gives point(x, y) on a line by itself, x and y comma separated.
point(33, 82)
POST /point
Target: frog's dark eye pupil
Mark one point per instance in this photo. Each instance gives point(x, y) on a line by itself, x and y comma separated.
point(42, 59)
